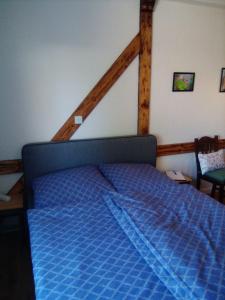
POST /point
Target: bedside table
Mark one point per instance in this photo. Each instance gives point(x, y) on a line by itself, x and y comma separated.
point(11, 214)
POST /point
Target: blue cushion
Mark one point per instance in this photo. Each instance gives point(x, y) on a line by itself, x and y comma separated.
point(135, 177)
point(65, 187)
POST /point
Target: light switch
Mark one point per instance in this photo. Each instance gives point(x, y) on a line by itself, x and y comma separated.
point(78, 120)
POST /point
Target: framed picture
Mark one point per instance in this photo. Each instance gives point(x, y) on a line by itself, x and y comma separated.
point(183, 81)
point(222, 80)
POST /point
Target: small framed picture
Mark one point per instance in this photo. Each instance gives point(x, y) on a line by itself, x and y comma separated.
point(183, 81)
point(222, 81)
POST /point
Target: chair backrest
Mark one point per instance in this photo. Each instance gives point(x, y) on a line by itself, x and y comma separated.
point(205, 145)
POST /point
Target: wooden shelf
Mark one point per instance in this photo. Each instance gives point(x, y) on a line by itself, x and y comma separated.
point(16, 202)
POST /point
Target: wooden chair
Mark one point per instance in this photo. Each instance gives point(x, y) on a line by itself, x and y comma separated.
point(217, 177)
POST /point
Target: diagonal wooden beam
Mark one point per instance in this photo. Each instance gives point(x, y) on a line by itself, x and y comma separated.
point(100, 90)
point(93, 98)
point(146, 11)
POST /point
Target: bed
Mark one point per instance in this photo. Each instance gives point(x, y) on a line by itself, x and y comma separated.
point(105, 224)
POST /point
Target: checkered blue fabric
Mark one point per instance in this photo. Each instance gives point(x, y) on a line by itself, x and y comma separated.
point(181, 235)
point(69, 186)
point(81, 252)
point(136, 177)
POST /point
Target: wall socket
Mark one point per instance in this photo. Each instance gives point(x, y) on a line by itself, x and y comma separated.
point(78, 120)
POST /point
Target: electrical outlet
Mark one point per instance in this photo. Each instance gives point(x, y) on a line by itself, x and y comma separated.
point(78, 120)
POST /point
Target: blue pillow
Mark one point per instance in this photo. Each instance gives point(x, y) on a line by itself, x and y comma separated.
point(63, 188)
point(135, 177)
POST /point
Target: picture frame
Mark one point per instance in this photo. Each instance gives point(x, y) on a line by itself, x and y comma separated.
point(183, 81)
point(222, 81)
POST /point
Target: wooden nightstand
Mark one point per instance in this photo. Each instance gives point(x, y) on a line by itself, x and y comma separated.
point(12, 214)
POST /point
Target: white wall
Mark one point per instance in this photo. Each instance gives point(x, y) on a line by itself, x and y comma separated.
point(53, 52)
point(188, 36)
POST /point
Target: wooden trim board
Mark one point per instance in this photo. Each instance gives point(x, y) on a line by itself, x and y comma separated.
point(181, 148)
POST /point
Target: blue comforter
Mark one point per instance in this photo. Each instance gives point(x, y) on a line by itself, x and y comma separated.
point(181, 235)
point(154, 239)
point(81, 252)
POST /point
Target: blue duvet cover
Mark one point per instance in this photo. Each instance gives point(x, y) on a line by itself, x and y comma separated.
point(154, 239)
point(181, 235)
point(81, 252)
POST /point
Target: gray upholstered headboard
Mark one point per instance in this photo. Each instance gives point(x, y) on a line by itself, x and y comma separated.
point(43, 158)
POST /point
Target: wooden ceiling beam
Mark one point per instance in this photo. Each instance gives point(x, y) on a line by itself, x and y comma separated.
point(144, 83)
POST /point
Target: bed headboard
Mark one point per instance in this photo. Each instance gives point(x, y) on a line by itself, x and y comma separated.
point(42, 158)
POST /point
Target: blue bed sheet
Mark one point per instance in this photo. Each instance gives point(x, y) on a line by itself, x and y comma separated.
point(181, 235)
point(81, 252)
